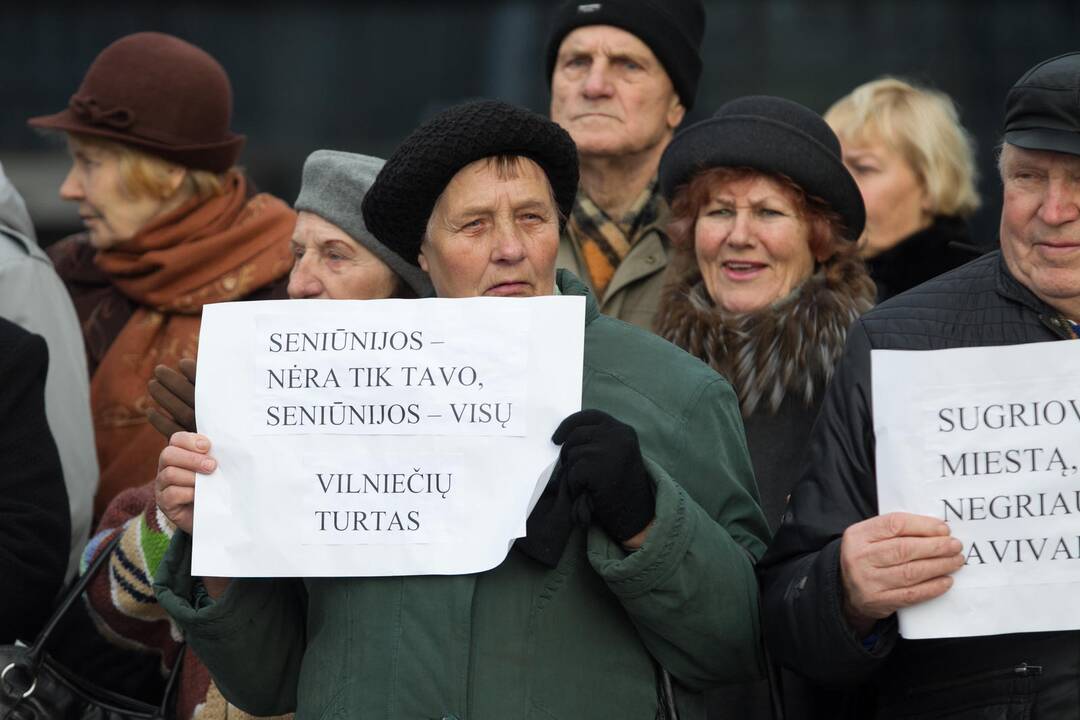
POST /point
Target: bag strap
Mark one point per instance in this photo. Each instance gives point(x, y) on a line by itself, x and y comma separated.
point(71, 596)
point(171, 683)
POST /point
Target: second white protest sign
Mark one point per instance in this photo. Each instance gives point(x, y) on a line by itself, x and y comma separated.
point(986, 439)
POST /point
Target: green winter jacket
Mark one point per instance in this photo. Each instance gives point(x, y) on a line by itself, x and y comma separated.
point(524, 640)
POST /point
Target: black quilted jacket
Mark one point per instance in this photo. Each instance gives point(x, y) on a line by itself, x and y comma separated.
point(1003, 677)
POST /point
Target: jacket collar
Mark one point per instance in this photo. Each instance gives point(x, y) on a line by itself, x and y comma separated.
point(1012, 289)
point(569, 284)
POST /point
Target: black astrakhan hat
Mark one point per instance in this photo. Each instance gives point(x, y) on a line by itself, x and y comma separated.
point(1042, 110)
point(399, 203)
point(769, 134)
point(673, 30)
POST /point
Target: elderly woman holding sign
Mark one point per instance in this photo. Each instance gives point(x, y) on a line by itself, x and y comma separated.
point(634, 587)
point(335, 258)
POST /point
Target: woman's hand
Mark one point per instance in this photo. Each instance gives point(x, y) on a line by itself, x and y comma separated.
point(174, 486)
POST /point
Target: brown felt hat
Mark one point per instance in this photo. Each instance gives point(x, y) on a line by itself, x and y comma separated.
point(159, 94)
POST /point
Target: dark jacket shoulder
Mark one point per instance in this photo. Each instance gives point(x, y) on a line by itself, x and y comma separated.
point(976, 305)
point(944, 245)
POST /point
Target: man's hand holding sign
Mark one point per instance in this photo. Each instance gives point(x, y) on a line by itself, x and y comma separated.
point(982, 442)
point(893, 561)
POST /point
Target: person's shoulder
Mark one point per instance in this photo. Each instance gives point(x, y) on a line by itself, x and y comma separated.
point(940, 312)
point(648, 366)
point(948, 291)
point(262, 205)
point(73, 256)
point(21, 348)
point(13, 248)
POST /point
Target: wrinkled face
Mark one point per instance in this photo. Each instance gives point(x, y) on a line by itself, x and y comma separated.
point(1040, 224)
point(329, 264)
point(897, 204)
point(492, 235)
point(611, 94)
point(107, 208)
point(752, 244)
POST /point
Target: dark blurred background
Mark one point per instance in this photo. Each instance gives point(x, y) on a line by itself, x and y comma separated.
point(360, 75)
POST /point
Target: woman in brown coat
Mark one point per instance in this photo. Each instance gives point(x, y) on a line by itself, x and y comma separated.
point(170, 225)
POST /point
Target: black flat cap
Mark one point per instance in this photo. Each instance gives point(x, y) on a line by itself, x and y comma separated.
point(397, 207)
point(772, 135)
point(1042, 110)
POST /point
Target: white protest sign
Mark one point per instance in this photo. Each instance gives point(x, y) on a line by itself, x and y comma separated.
point(988, 440)
point(378, 437)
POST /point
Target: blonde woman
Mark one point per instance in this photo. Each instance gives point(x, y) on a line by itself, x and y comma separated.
point(170, 225)
point(914, 165)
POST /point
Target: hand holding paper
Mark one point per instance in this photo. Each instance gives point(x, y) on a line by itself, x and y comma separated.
point(893, 561)
point(174, 486)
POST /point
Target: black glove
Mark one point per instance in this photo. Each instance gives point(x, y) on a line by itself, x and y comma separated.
point(600, 475)
point(549, 524)
point(601, 461)
point(175, 392)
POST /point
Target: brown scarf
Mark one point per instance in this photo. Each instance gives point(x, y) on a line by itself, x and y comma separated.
point(203, 252)
point(604, 242)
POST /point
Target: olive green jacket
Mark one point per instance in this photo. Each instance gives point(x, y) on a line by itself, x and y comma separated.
point(524, 640)
point(633, 295)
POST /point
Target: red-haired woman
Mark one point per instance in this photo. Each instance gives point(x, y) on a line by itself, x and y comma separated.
point(766, 281)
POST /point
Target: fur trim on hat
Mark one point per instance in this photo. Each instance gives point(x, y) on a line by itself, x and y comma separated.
point(791, 346)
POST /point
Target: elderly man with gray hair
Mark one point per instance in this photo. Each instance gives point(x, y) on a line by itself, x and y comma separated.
point(837, 571)
point(623, 74)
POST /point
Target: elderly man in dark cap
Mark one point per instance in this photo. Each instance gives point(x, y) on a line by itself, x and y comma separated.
point(633, 589)
point(623, 74)
point(837, 572)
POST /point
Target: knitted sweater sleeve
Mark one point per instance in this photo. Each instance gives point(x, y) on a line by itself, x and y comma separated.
point(121, 598)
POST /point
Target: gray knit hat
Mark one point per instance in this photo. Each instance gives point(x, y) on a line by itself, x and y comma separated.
point(333, 187)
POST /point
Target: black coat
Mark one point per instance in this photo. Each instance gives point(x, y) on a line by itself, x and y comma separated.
point(35, 525)
point(977, 305)
point(778, 359)
point(941, 247)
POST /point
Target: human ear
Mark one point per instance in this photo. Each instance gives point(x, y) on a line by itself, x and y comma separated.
point(676, 112)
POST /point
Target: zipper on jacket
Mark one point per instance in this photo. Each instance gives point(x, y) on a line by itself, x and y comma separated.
point(1025, 670)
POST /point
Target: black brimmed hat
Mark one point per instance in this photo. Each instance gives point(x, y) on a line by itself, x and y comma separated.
point(772, 135)
point(1042, 110)
point(397, 207)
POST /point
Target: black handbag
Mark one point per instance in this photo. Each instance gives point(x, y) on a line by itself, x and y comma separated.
point(33, 686)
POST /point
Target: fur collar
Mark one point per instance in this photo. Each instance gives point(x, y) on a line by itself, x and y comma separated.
point(792, 346)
